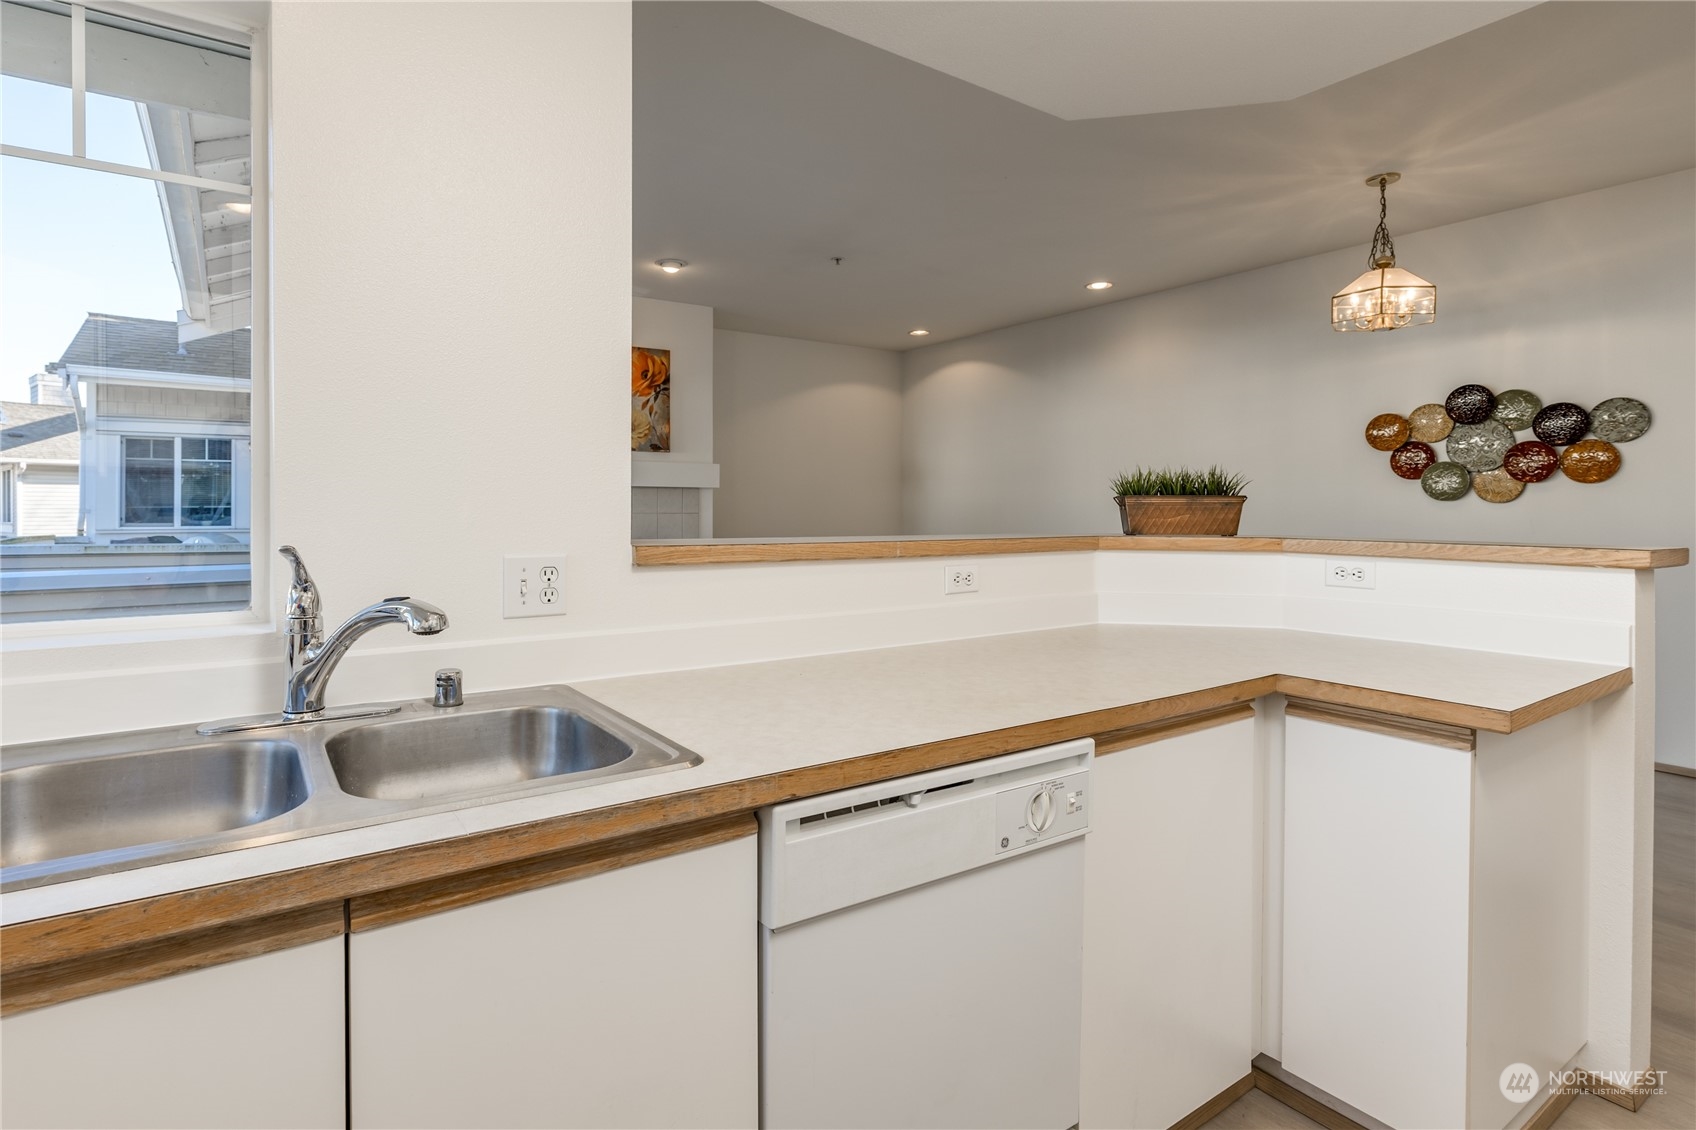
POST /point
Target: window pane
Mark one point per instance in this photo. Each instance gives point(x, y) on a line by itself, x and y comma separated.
point(206, 487)
point(35, 96)
point(125, 307)
point(149, 483)
point(179, 103)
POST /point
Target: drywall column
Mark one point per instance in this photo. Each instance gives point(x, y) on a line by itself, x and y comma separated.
point(687, 331)
point(1622, 856)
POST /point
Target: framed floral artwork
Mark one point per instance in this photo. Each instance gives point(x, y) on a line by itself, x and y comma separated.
point(650, 399)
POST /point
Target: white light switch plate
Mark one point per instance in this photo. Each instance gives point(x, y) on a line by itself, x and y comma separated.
point(533, 586)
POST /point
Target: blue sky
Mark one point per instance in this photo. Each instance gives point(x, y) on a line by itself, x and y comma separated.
point(73, 241)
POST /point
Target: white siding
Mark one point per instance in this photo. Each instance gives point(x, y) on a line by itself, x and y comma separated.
point(47, 501)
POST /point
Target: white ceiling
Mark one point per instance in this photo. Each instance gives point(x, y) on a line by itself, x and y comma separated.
point(766, 144)
point(1080, 59)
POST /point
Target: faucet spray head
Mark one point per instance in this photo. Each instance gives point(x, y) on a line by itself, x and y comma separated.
point(419, 617)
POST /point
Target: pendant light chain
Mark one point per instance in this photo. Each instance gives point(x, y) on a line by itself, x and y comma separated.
point(1382, 246)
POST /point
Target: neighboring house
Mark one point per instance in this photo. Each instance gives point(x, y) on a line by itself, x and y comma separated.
point(38, 469)
point(166, 428)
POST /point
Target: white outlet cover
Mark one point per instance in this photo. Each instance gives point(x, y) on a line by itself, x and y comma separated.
point(533, 586)
point(1351, 574)
point(957, 579)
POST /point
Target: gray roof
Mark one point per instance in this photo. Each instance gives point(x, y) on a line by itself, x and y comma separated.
point(45, 432)
point(114, 341)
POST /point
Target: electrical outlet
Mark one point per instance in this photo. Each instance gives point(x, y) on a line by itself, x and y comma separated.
point(958, 579)
point(533, 586)
point(1351, 574)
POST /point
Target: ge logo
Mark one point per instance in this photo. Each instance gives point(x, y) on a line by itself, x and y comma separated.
point(1518, 1082)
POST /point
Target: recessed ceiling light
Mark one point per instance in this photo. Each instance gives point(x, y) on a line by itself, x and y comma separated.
point(240, 207)
point(1100, 284)
point(918, 333)
point(670, 266)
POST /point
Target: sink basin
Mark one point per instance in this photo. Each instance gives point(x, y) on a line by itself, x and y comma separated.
point(459, 753)
point(80, 807)
point(71, 808)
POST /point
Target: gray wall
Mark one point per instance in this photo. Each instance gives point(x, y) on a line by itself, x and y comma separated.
point(1019, 430)
point(807, 435)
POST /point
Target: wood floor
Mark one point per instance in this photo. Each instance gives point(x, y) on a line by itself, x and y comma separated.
point(1672, 1031)
point(1672, 1024)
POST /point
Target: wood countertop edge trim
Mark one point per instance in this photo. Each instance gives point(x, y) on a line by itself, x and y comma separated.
point(1535, 712)
point(102, 970)
point(432, 896)
point(29, 949)
point(890, 549)
point(1112, 741)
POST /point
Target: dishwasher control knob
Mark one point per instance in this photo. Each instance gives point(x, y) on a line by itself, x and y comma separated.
point(1039, 814)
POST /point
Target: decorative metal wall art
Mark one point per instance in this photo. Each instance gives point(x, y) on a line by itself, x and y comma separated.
point(1482, 455)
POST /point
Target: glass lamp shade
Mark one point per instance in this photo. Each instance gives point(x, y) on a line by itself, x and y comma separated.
point(1384, 298)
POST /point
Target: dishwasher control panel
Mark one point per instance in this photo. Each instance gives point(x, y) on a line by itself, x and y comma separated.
point(1041, 811)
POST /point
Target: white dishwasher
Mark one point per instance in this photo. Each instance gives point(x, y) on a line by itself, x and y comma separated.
point(921, 949)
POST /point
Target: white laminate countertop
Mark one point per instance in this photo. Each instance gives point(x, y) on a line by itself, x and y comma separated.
point(753, 720)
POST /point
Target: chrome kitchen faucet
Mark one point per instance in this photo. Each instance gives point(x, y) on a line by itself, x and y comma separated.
point(312, 657)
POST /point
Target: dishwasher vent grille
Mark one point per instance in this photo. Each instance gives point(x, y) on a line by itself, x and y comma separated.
point(865, 806)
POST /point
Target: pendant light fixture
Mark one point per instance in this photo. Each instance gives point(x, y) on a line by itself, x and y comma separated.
point(1385, 297)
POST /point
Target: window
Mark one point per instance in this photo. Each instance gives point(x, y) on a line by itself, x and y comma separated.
point(185, 481)
point(127, 254)
point(7, 489)
point(150, 474)
point(206, 480)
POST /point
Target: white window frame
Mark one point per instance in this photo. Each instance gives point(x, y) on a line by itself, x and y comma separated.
point(259, 618)
point(8, 500)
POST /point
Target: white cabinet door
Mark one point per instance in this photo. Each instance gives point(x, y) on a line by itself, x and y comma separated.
point(254, 1043)
point(1170, 918)
point(1377, 840)
point(628, 998)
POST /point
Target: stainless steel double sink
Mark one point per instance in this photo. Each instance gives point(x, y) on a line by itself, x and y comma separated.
point(89, 806)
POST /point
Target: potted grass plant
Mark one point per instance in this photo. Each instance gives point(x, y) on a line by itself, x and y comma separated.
point(1178, 500)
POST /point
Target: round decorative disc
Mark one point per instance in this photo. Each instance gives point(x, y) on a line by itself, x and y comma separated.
point(1429, 423)
point(1446, 482)
point(1620, 420)
point(1590, 461)
point(1411, 458)
point(1561, 423)
point(1479, 447)
point(1517, 408)
point(1531, 461)
point(1470, 404)
point(1387, 432)
point(1497, 486)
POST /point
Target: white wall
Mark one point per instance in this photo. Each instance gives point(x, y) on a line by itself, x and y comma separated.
point(687, 331)
point(809, 437)
point(1019, 430)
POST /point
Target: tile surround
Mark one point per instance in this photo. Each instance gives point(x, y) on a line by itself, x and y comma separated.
point(665, 512)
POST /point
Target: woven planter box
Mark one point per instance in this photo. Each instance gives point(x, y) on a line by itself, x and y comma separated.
point(1201, 515)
